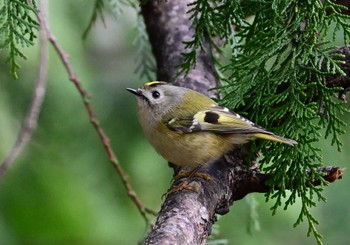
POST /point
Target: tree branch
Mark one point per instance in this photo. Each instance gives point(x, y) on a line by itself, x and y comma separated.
point(93, 119)
point(186, 217)
point(31, 120)
point(258, 181)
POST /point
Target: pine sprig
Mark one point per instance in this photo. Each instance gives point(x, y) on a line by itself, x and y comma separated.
point(211, 20)
point(18, 28)
point(145, 60)
point(113, 6)
point(116, 6)
point(276, 76)
point(146, 64)
point(341, 21)
point(96, 13)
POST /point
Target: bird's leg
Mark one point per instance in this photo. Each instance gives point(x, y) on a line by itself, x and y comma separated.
point(188, 175)
point(191, 173)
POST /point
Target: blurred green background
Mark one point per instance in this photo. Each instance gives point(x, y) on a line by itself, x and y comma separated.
point(63, 190)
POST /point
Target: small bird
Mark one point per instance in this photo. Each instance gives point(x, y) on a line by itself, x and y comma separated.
point(188, 128)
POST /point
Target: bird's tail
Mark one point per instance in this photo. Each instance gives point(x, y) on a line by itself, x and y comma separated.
point(275, 138)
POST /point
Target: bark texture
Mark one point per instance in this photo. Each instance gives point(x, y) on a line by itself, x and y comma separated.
point(186, 217)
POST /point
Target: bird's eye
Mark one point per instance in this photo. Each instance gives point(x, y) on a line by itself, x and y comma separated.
point(155, 94)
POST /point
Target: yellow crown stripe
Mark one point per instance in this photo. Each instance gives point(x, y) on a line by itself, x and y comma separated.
point(153, 83)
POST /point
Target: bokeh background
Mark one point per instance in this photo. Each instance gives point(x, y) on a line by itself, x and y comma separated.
point(63, 190)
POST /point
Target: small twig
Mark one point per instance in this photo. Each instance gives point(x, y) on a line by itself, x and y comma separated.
point(258, 180)
point(30, 121)
point(330, 174)
point(104, 138)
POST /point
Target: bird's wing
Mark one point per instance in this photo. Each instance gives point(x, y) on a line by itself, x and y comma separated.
point(221, 120)
point(217, 119)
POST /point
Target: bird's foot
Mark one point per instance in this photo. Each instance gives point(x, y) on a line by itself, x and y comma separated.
point(187, 174)
point(191, 173)
point(185, 184)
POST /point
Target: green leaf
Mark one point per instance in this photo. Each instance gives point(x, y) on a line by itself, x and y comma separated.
point(18, 28)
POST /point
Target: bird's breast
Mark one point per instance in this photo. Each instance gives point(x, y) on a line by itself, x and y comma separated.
point(187, 149)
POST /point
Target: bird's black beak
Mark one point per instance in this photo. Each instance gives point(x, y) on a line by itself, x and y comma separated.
point(135, 92)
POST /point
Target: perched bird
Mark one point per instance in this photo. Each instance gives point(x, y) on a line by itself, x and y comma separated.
point(188, 128)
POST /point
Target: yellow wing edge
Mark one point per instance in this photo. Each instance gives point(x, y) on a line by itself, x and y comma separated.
point(275, 138)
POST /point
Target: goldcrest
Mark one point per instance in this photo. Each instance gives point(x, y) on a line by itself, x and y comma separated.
point(188, 128)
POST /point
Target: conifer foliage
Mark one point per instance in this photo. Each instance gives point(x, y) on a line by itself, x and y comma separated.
point(18, 28)
point(273, 59)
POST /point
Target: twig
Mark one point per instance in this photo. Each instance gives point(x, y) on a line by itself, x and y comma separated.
point(104, 138)
point(257, 181)
point(30, 121)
